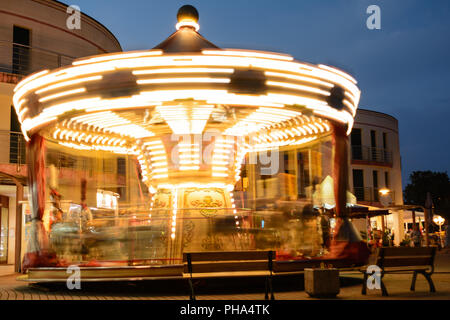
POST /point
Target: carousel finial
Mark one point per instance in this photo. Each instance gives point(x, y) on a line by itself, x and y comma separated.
point(187, 17)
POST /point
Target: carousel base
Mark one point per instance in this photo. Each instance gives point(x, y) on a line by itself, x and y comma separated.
point(167, 272)
point(97, 274)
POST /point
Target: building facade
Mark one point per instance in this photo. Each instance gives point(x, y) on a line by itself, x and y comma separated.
point(375, 165)
point(33, 36)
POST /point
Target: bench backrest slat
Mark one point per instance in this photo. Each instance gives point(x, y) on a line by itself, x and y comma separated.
point(205, 267)
point(405, 257)
point(228, 256)
point(206, 262)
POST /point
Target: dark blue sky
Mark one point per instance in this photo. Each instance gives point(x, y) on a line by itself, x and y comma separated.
point(402, 69)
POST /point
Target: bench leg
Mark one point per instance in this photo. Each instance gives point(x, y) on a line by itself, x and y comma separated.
point(413, 283)
point(364, 286)
point(272, 296)
point(383, 289)
point(191, 287)
point(430, 282)
point(266, 291)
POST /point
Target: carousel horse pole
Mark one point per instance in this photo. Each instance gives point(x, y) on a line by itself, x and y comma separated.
point(38, 252)
point(347, 242)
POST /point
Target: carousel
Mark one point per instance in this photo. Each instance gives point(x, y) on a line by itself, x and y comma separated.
point(135, 158)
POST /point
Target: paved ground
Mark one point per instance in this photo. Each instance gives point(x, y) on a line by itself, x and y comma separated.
point(286, 288)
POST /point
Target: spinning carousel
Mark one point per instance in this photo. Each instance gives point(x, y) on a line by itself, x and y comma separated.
point(187, 113)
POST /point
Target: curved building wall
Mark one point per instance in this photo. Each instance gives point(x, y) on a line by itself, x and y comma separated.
point(375, 163)
point(47, 21)
point(33, 36)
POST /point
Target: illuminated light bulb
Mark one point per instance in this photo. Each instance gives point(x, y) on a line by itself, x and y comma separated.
point(172, 236)
point(160, 176)
point(339, 72)
point(300, 78)
point(192, 24)
point(22, 112)
point(183, 70)
point(158, 158)
point(30, 78)
point(68, 83)
point(158, 152)
point(183, 80)
point(118, 56)
point(220, 169)
point(258, 54)
point(184, 168)
point(222, 157)
point(55, 133)
point(219, 174)
point(159, 164)
point(297, 86)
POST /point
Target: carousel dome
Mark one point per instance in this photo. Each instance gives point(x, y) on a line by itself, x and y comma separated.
point(154, 104)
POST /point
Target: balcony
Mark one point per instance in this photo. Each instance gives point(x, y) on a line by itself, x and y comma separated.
point(17, 61)
point(370, 195)
point(15, 143)
point(370, 155)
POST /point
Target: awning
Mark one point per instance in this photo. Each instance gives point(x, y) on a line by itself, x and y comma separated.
point(361, 212)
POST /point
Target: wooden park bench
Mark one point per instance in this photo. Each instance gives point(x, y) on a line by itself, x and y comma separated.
point(403, 259)
point(201, 265)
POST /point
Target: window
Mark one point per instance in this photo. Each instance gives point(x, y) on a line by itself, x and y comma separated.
point(16, 140)
point(355, 140)
point(386, 180)
point(373, 138)
point(121, 166)
point(21, 50)
point(358, 184)
point(375, 185)
point(303, 180)
point(108, 165)
point(373, 145)
point(386, 154)
point(4, 220)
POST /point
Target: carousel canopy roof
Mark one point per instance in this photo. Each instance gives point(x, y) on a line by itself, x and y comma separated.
point(186, 38)
point(131, 102)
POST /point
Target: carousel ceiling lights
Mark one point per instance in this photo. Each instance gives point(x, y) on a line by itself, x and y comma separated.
point(135, 102)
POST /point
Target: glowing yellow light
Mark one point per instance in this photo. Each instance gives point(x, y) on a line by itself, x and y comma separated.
point(339, 72)
point(438, 220)
point(61, 94)
point(183, 70)
point(67, 83)
point(253, 54)
point(128, 55)
point(30, 78)
point(297, 86)
point(185, 23)
point(184, 80)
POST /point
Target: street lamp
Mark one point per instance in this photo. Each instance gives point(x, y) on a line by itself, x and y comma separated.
point(385, 200)
point(439, 221)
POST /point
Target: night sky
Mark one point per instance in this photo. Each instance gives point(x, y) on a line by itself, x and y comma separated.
point(402, 69)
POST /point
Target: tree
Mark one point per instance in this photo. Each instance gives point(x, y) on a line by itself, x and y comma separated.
point(437, 183)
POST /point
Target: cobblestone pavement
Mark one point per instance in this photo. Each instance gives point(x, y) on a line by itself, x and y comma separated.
point(286, 288)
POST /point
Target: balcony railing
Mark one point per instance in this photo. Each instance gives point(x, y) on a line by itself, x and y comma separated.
point(365, 153)
point(370, 194)
point(22, 60)
point(15, 143)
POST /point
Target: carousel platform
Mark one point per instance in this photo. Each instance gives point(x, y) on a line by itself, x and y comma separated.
point(97, 274)
point(166, 272)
